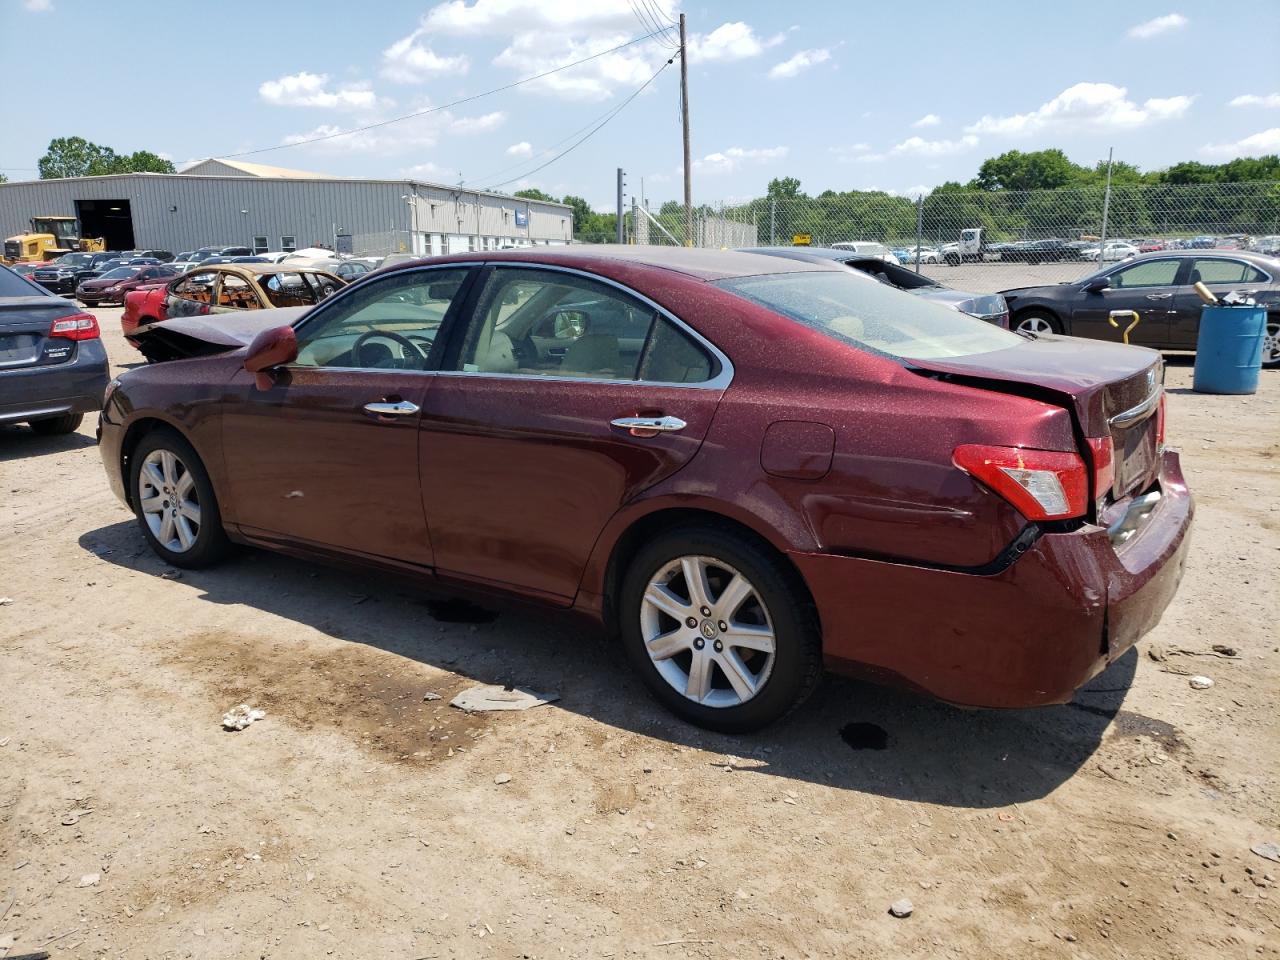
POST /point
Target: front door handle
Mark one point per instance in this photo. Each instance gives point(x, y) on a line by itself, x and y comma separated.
point(648, 426)
point(386, 408)
point(1159, 296)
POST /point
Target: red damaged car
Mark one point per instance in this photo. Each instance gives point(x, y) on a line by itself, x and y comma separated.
point(748, 467)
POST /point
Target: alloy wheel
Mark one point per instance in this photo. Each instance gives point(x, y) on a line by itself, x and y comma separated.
point(1037, 325)
point(169, 500)
point(1271, 343)
point(707, 631)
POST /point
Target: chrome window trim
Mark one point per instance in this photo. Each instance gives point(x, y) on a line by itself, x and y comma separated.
point(719, 382)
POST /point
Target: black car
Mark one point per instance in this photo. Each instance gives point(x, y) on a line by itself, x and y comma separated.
point(64, 274)
point(984, 306)
point(1160, 288)
point(53, 368)
point(1043, 251)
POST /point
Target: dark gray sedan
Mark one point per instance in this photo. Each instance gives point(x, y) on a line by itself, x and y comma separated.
point(985, 306)
point(53, 368)
point(1160, 287)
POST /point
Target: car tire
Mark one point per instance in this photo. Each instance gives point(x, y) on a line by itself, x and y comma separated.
point(772, 610)
point(1271, 343)
point(185, 540)
point(57, 426)
point(1037, 322)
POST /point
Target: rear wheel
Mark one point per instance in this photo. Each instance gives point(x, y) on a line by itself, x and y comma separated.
point(174, 502)
point(55, 426)
point(1271, 343)
point(719, 629)
point(1038, 323)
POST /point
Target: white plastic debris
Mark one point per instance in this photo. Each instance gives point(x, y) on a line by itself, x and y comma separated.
point(488, 697)
point(1200, 683)
point(89, 880)
point(240, 716)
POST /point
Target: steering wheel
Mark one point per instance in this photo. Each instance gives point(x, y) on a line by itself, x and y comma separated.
point(405, 343)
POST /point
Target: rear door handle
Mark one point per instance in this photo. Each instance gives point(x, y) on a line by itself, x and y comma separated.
point(386, 408)
point(1159, 296)
point(639, 426)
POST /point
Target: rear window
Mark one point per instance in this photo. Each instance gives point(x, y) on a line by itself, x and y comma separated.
point(12, 285)
point(857, 310)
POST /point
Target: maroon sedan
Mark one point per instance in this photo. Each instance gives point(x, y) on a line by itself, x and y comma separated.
point(746, 465)
point(114, 284)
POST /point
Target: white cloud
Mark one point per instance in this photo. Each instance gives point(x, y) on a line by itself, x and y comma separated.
point(428, 171)
point(920, 147)
point(734, 157)
point(928, 120)
point(798, 63)
point(512, 16)
point(1101, 106)
point(1255, 100)
point(308, 90)
point(522, 149)
point(408, 61)
point(1157, 26)
point(846, 154)
point(38, 6)
point(728, 42)
point(1268, 141)
point(416, 133)
point(533, 53)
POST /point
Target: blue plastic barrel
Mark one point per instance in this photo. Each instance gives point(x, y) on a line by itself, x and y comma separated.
point(1229, 349)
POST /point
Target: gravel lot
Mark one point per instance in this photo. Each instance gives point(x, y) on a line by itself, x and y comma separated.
point(358, 820)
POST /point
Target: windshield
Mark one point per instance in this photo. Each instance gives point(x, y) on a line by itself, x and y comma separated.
point(12, 285)
point(75, 259)
point(120, 273)
point(871, 315)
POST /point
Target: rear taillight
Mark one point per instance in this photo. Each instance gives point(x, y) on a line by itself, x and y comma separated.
point(1042, 484)
point(78, 326)
point(1103, 452)
point(1160, 421)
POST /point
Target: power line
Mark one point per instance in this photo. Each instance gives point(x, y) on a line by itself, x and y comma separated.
point(444, 106)
point(598, 127)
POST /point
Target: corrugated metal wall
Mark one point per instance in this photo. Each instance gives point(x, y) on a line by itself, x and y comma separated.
point(175, 212)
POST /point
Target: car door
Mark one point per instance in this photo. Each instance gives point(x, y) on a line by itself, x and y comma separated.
point(1221, 275)
point(528, 450)
point(1148, 288)
point(192, 295)
point(328, 455)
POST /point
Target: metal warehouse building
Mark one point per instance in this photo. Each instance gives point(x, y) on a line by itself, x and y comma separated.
point(226, 202)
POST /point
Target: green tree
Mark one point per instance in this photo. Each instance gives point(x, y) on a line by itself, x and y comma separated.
point(78, 157)
point(1037, 170)
point(3, 178)
point(533, 193)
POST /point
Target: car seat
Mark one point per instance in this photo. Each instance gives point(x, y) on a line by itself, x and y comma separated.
point(593, 353)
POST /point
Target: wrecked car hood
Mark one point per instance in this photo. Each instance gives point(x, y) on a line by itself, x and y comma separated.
point(201, 336)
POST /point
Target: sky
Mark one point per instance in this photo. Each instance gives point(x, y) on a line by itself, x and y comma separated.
point(841, 95)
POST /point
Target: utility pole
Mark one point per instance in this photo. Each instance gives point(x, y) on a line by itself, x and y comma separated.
point(621, 235)
point(1106, 207)
point(684, 120)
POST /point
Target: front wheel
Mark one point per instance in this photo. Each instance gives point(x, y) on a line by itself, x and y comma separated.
point(1040, 324)
point(174, 502)
point(721, 632)
point(1271, 343)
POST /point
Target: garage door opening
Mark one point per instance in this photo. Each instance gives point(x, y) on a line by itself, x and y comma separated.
point(110, 219)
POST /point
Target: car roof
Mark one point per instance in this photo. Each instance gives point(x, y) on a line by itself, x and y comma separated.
point(249, 270)
point(692, 262)
point(1249, 256)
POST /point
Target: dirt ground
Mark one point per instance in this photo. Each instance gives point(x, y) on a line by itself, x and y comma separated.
point(360, 820)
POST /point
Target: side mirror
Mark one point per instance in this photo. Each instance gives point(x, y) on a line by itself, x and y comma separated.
point(569, 324)
point(270, 349)
point(1097, 285)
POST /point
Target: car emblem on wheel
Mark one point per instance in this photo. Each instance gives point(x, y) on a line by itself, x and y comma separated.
point(708, 629)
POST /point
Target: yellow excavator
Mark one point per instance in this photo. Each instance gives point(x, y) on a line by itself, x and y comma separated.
point(50, 238)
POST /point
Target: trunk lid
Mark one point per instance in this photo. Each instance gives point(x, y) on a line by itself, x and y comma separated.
point(24, 331)
point(1111, 389)
point(181, 337)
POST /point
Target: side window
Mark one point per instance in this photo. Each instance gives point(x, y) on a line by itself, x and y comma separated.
point(236, 294)
point(196, 287)
point(1151, 273)
point(388, 324)
point(288, 290)
point(672, 356)
point(553, 324)
point(1225, 271)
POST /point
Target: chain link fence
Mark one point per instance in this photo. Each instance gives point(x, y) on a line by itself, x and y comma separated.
point(992, 240)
